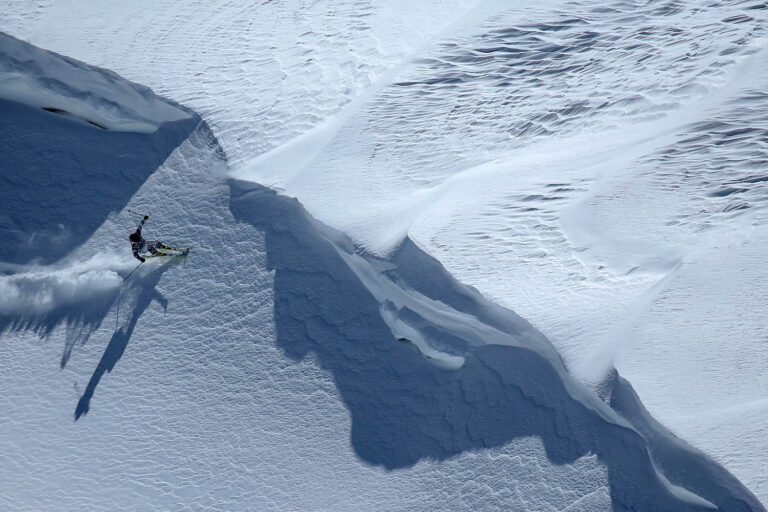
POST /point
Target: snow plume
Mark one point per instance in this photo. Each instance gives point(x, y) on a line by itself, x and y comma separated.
point(40, 292)
point(79, 294)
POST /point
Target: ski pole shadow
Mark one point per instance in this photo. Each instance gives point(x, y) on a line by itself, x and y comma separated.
point(140, 293)
point(405, 409)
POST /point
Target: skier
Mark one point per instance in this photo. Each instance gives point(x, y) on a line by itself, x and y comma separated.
point(138, 243)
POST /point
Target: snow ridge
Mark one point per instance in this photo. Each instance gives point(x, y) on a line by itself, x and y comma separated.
point(43, 79)
point(649, 117)
point(324, 307)
point(47, 209)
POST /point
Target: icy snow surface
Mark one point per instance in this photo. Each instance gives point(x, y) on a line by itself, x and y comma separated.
point(597, 167)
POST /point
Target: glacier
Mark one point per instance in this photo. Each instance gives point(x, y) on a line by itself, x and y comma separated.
point(522, 269)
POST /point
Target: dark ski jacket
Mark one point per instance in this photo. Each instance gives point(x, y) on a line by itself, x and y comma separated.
point(139, 246)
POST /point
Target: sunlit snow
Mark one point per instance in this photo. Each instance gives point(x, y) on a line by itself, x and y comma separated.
point(599, 168)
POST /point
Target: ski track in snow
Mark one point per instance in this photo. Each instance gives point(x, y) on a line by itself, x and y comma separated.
point(598, 168)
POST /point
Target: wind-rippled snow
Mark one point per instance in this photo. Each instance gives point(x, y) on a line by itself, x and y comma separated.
point(600, 168)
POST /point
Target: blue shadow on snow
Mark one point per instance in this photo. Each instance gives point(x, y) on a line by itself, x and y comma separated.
point(405, 409)
point(140, 292)
point(61, 177)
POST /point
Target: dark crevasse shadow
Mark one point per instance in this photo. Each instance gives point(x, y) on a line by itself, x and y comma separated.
point(405, 408)
point(136, 298)
point(60, 177)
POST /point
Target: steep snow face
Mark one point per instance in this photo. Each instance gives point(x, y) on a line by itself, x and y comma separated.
point(64, 86)
point(237, 378)
point(594, 169)
point(181, 396)
point(260, 73)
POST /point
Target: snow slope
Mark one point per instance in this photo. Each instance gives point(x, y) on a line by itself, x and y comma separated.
point(404, 404)
point(598, 170)
point(90, 123)
point(204, 396)
point(181, 398)
point(184, 401)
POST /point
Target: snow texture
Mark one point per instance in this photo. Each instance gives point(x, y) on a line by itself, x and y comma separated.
point(100, 98)
point(47, 155)
point(183, 400)
point(600, 170)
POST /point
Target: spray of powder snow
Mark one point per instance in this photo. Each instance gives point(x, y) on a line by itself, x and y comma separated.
point(40, 298)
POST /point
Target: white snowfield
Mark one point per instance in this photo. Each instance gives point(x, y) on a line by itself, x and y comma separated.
point(599, 168)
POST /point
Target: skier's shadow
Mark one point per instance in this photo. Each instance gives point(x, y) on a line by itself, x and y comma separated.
point(404, 409)
point(140, 292)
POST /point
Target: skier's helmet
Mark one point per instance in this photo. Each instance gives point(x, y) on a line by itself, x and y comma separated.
point(134, 237)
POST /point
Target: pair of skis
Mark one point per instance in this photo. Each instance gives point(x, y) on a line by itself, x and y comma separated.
point(167, 252)
point(179, 253)
point(162, 252)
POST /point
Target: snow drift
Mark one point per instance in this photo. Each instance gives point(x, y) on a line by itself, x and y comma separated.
point(404, 408)
point(612, 249)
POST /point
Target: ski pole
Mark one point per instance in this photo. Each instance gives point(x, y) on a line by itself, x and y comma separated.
point(136, 213)
point(132, 271)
